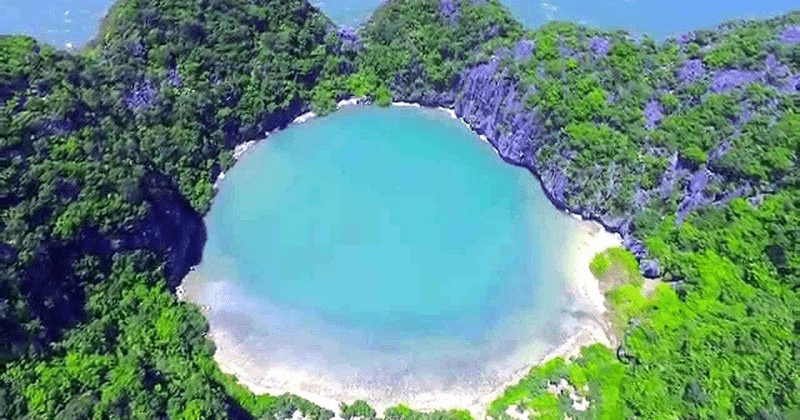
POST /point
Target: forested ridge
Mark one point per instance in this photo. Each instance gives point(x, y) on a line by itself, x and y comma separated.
point(688, 147)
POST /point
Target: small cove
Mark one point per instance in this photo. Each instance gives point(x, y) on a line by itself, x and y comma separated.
point(384, 254)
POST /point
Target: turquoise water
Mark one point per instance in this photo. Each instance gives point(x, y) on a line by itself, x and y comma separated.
point(75, 21)
point(374, 236)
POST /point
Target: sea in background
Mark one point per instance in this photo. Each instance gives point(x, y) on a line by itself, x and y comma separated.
point(74, 22)
point(384, 252)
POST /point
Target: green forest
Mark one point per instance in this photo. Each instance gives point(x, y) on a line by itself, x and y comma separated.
point(690, 146)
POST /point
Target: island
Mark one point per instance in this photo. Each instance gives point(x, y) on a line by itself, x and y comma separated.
point(688, 148)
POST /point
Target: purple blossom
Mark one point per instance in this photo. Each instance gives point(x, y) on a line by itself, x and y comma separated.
point(653, 113)
point(449, 11)
point(684, 39)
point(791, 35)
point(523, 50)
point(728, 79)
point(599, 46)
point(142, 96)
point(691, 70)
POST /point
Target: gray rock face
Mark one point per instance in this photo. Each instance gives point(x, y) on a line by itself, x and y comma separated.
point(171, 228)
point(691, 70)
point(793, 84)
point(599, 46)
point(726, 80)
point(523, 50)
point(142, 96)
point(650, 268)
point(348, 38)
point(670, 176)
point(653, 113)
point(449, 10)
point(775, 69)
point(690, 202)
point(730, 195)
point(554, 183)
point(699, 181)
point(490, 104)
point(791, 35)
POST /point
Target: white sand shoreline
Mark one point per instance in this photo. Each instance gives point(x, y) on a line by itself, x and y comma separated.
point(584, 288)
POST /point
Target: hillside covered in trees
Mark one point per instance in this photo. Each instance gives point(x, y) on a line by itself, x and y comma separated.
point(690, 148)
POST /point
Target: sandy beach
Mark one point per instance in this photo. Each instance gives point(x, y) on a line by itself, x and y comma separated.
point(582, 287)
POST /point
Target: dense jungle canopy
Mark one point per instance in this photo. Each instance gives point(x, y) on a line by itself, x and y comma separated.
point(690, 147)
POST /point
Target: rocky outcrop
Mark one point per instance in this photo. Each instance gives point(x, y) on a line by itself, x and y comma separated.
point(171, 228)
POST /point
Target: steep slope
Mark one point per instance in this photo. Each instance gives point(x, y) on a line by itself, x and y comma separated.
point(689, 148)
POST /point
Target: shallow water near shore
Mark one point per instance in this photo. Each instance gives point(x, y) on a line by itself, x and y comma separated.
point(384, 254)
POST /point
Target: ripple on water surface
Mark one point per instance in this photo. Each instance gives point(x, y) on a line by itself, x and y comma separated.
point(382, 253)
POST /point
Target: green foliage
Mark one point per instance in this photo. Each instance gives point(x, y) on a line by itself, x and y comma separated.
point(600, 143)
point(98, 150)
point(358, 409)
point(409, 40)
point(765, 151)
point(718, 344)
point(401, 412)
point(615, 265)
point(744, 47)
point(367, 84)
point(596, 377)
point(618, 272)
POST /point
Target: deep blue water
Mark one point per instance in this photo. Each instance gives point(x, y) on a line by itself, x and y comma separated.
point(48, 19)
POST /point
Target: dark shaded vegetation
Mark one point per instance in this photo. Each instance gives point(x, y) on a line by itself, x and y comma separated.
point(689, 148)
point(108, 159)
